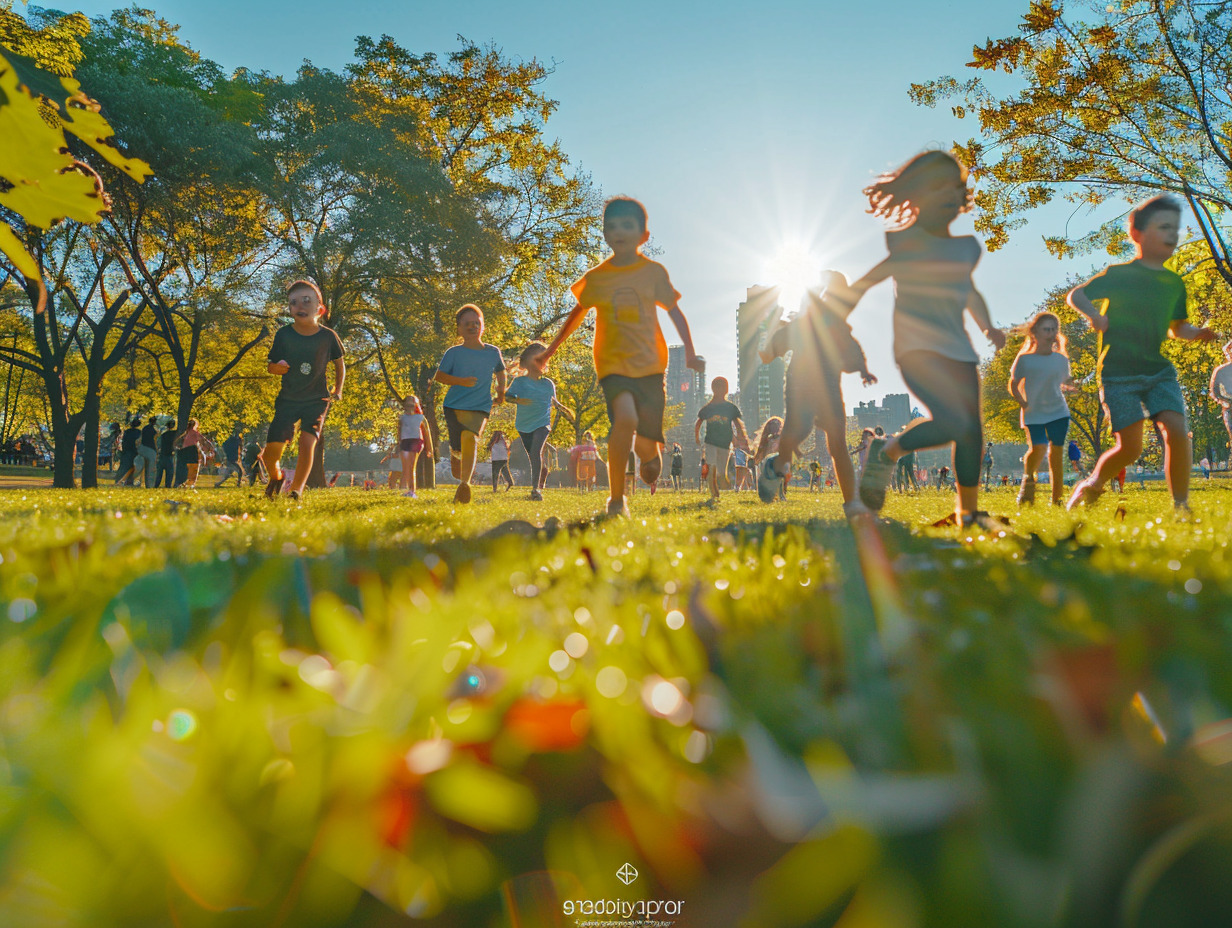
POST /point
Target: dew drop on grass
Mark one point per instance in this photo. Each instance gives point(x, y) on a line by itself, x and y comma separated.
point(675, 619)
point(611, 682)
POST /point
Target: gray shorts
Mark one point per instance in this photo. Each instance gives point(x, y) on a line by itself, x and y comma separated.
point(1132, 399)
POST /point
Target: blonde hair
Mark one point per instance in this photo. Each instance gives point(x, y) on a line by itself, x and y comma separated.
point(771, 428)
point(1030, 342)
point(891, 196)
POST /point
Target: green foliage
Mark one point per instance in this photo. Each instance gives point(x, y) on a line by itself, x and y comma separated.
point(1127, 102)
point(243, 713)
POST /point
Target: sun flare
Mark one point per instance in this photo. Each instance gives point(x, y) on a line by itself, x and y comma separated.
point(793, 269)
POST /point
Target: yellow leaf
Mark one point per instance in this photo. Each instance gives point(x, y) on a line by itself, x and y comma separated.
point(479, 796)
point(82, 118)
point(13, 249)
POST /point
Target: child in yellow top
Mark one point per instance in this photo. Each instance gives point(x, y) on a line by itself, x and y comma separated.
point(630, 351)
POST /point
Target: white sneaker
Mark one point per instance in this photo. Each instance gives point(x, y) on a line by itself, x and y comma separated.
point(856, 508)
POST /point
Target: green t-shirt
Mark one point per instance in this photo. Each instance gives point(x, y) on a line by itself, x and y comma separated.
point(1142, 303)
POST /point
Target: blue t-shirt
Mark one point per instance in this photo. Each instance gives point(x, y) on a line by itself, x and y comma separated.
point(538, 413)
point(480, 363)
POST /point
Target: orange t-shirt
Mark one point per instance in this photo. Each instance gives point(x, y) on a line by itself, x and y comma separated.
point(628, 340)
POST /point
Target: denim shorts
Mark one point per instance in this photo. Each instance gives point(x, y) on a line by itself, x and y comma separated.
point(1134, 398)
point(1052, 433)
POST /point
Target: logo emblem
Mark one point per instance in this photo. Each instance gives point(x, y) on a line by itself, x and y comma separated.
point(305, 368)
point(626, 874)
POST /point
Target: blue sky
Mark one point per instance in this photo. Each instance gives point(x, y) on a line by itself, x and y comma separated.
point(744, 127)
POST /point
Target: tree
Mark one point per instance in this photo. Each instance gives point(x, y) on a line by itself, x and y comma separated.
point(190, 241)
point(1135, 101)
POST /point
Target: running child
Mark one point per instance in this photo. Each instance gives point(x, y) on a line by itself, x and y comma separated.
point(933, 292)
point(300, 354)
point(586, 454)
point(770, 482)
point(196, 449)
point(1038, 376)
point(822, 348)
point(1221, 389)
point(677, 466)
point(535, 396)
point(414, 438)
point(467, 369)
point(740, 460)
point(1144, 303)
point(630, 351)
point(723, 422)
point(498, 448)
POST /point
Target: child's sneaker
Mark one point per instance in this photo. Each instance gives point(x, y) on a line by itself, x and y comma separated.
point(876, 476)
point(463, 493)
point(769, 480)
point(536, 495)
point(1026, 493)
point(294, 496)
point(856, 508)
point(618, 508)
point(274, 487)
point(1084, 495)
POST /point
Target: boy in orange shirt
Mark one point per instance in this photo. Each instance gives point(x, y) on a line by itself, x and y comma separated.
point(630, 351)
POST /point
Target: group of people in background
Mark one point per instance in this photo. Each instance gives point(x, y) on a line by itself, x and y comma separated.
point(1134, 306)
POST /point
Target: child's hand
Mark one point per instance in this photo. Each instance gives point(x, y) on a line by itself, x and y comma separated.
point(500, 396)
point(1099, 323)
point(694, 363)
point(867, 379)
point(467, 381)
point(997, 337)
point(1205, 334)
point(281, 367)
point(766, 355)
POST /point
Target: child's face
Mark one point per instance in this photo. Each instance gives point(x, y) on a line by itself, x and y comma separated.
point(303, 304)
point(1046, 332)
point(536, 364)
point(624, 233)
point(470, 325)
point(941, 194)
point(1157, 238)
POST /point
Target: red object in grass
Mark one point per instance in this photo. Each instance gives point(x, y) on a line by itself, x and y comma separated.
point(558, 725)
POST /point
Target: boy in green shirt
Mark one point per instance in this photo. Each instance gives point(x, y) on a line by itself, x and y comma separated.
point(1144, 303)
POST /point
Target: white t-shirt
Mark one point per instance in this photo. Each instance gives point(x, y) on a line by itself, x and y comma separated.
point(1222, 375)
point(1043, 375)
point(932, 282)
point(408, 425)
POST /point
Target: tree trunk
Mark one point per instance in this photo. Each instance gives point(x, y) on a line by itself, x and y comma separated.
point(425, 466)
point(89, 461)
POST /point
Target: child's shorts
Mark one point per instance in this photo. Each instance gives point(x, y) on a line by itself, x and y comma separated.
point(413, 445)
point(812, 397)
point(1051, 433)
point(1134, 398)
point(310, 414)
point(649, 398)
point(458, 421)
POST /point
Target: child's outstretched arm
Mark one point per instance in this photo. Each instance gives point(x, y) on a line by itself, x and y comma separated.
point(1078, 299)
point(568, 327)
point(564, 410)
point(339, 378)
point(450, 380)
point(979, 312)
point(843, 298)
point(1182, 328)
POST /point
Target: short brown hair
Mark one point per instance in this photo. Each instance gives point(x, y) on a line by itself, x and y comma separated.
point(1141, 214)
point(715, 385)
point(468, 308)
point(625, 206)
point(304, 284)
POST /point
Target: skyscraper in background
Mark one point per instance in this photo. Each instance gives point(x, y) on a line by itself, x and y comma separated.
point(760, 385)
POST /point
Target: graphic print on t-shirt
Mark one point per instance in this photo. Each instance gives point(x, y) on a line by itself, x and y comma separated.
point(627, 305)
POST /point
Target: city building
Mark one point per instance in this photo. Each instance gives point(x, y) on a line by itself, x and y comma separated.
point(892, 415)
point(760, 385)
point(686, 390)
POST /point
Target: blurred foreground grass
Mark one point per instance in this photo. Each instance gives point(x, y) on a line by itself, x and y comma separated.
point(368, 710)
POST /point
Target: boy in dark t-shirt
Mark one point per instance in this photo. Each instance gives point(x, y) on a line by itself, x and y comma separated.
point(300, 354)
point(723, 421)
point(1144, 303)
point(166, 455)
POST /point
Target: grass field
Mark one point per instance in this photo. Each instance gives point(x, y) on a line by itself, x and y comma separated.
point(364, 710)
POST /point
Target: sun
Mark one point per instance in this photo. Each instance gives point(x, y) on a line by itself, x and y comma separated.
point(793, 269)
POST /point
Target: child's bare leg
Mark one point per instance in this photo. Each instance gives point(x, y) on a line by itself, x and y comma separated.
point(1032, 459)
point(844, 470)
point(192, 474)
point(270, 456)
point(466, 466)
point(1178, 455)
point(647, 452)
point(620, 442)
point(1126, 450)
point(303, 466)
point(409, 459)
point(1056, 471)
point(968, 498)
